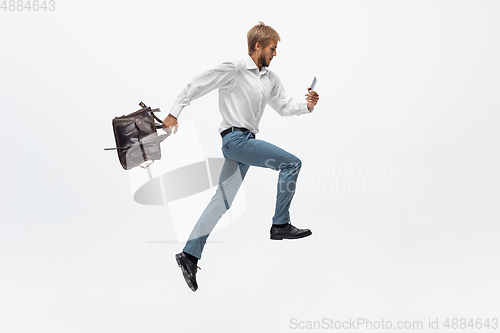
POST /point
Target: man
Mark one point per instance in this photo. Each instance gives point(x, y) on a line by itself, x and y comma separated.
point(245, 87)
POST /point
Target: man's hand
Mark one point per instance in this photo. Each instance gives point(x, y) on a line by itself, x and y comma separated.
point(169, 124)
point(312, 99)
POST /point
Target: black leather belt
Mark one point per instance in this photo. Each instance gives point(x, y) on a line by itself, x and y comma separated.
point(234, 129)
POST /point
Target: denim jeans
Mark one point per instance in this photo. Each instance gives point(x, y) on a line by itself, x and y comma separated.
point(241, 151)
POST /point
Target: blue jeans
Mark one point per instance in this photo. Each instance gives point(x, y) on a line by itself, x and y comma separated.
point(241, 151)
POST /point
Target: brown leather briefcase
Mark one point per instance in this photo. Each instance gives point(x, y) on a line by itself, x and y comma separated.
point(137, 142)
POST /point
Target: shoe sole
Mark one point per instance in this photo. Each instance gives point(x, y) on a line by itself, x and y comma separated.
point(296, 237)
point(184, 272)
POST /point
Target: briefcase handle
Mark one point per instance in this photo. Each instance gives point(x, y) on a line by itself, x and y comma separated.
point(160, 125)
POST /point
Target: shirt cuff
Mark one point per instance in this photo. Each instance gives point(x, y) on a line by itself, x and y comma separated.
point(176, 110)
point(304, 108)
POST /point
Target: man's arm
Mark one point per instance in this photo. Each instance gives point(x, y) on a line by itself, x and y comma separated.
point(220, 77)
point(284, 104)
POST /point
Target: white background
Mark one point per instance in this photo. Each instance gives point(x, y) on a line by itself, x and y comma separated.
point(410, 84)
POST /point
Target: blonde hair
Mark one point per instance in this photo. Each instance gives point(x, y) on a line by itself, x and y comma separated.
point(261, 34)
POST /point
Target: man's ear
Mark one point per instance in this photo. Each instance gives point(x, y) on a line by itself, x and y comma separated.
point(257, 46)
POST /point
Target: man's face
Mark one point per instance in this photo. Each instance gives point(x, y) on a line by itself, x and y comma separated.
point(268, 53)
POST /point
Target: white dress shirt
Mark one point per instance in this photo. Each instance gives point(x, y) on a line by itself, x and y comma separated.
point(244, 92)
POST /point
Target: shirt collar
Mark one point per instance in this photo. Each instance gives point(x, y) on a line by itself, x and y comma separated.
point(251, 65)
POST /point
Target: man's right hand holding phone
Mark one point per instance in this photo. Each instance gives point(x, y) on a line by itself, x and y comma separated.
point(312, 96)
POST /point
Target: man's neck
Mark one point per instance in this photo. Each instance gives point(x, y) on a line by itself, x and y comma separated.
point(256, 60)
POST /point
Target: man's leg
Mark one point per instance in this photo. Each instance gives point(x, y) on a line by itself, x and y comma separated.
point(241, 147)
point(241, 151)
point(231, 177)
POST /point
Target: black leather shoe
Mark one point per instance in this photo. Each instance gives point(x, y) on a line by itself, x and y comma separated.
point(189, 269)
point(289, 232)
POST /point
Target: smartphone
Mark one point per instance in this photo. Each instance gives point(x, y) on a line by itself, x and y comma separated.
point(313, 84)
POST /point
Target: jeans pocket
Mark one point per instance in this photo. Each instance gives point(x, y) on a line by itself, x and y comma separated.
point(225, 147)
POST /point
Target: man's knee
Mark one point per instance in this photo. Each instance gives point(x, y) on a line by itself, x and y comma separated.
point(296, 164)
point(228, 193)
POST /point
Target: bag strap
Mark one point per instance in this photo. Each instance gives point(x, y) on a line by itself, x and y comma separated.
point(144, 106)
point(160, 125)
